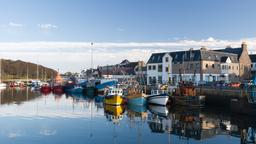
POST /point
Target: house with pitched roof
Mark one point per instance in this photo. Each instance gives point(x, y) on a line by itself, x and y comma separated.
point(253, 65)
point(243, 59)
point(200, 66)
point(159, 68)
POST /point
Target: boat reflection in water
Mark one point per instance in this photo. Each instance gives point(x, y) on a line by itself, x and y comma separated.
point(17, 96)
point(158, 119)
point(158, 110)
point(114, 113)
point(137, 112)
point(77, 115)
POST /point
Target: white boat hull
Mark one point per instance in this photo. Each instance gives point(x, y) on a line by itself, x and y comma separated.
point(158, 99)
point(2, 85)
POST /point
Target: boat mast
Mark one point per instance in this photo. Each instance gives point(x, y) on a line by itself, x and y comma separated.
point(27, 73)
point(37, 72)
point(91, 59)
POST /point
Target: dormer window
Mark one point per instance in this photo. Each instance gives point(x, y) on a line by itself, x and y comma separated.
point(158, 58)
point(153, 58)
point(166, 59)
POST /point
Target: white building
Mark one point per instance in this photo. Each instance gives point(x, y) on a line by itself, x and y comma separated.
point(253, 65)
point(159, 68)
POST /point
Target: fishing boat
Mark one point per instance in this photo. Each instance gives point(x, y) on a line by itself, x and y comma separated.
point(76, 89)
point(57, 86)
point(114, 96)
point(135, 93)
point(158, 97)
point(247, 103)
point(46, 88)
point(136, 97)
point(104, 83)
point(186, 95)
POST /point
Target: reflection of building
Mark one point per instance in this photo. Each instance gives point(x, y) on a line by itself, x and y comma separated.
point(188, 124)
point(244, 126)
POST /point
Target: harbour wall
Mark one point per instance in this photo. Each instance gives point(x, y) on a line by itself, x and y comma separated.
point(221, 96)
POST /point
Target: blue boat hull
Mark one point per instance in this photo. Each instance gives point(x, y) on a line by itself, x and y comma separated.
point(76, 90)
point(137, 108)
point(101, 87)
point(137, 101)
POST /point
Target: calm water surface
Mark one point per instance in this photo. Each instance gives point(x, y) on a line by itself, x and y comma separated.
point(31, 117)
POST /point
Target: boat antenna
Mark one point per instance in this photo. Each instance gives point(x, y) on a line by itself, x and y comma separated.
point(92, 56)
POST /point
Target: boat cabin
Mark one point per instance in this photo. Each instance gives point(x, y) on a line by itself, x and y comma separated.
point(115, 91)
point(158, 92)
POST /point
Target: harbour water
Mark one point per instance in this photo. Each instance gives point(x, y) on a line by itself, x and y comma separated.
point(32, 117)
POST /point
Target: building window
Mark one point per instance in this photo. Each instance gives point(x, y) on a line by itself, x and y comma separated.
point(206, 65)
point(223, 67)
point(197, 65)
point(232, 67)
point(149, 67)
point(154, 67)
point(213, 66)
point(229, 67)
point(251, 65)
point(166, 59)
point(160, 68)
point(153, 58)
point(166, 69)
point(191, 66)
point(160, 79)
point(154, 80)
point(158, 58)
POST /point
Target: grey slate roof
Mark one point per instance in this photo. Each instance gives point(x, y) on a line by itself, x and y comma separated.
point(223, 59)
point(253, 57)
point(237, 51)
point(156, 58)
point(194, 55)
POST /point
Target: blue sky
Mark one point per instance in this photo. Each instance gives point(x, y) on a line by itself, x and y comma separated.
point(125, 21)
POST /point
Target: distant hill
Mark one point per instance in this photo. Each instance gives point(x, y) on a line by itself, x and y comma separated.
point(19, 69)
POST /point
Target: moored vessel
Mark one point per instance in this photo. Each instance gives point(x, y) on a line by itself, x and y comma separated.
point(114, 96)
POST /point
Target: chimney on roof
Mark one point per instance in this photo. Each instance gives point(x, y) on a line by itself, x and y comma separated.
point(228, 46)
point(244, 46)
point(203, 48)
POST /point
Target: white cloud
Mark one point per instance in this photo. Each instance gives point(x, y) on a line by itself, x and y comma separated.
point(74, 56)
point(12, 24)
point(47, 26)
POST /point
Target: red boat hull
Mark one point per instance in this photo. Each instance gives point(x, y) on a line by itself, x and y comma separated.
point(58, 89)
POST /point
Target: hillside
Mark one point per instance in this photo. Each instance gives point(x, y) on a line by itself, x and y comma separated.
point(19, 70)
